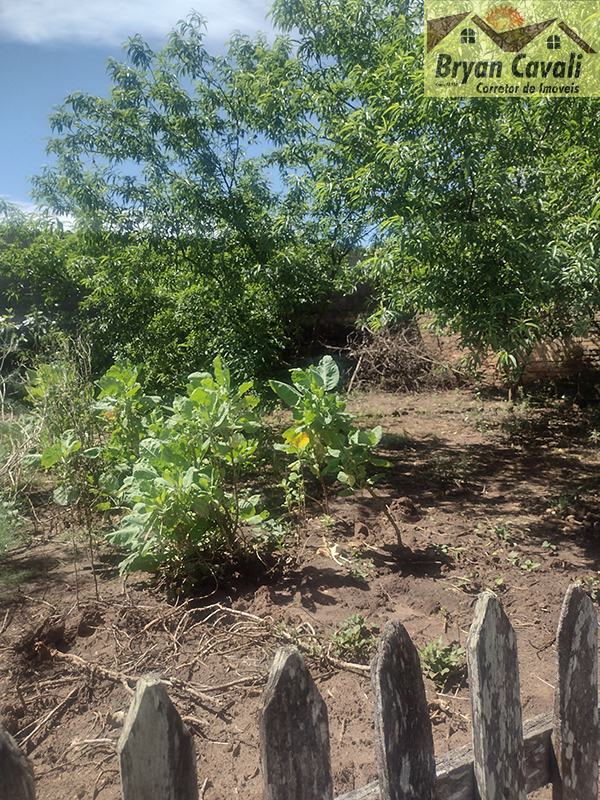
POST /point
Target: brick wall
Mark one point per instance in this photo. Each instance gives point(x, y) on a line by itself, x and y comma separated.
point(548, 361)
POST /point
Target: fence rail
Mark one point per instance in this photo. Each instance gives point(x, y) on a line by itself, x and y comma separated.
point(508, 759)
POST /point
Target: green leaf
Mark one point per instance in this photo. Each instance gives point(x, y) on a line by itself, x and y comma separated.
point(221, 373)
point(189, 478)
point(32, 460)
point(144, 472)
point(286, 392)
point(198, 379)
point(51, 455)
point(376, 434)
point(70, 442)
point(64, 494)
point(92, 452)
point(380, 462)
point(111, 386)
point(329, 372)
point(151, 449)
point(245, 387)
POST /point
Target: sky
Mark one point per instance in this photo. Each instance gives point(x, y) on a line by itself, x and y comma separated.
point(51, 48)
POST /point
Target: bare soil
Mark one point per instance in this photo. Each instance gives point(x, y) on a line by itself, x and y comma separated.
point(486, 494)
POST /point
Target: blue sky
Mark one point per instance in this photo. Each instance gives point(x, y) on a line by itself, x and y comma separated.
point(50, 48)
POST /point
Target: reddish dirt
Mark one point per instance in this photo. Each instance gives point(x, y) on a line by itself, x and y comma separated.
point(474, 480)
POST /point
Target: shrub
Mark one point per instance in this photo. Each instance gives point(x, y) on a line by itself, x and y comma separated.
point(190, 516)
point(323, 439)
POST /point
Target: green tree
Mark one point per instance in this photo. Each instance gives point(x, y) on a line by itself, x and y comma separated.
point(196, 254)
point(38, 265)
point(482, 212)
point(486, 211)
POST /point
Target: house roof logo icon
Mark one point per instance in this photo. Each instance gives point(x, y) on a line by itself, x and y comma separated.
point(510, 41)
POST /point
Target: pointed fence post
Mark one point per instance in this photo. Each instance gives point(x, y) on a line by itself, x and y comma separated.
point(157, 757)
point(403, 735)
point(294, 733)
point(575, 736)
point(495, 703)
point(16, 772)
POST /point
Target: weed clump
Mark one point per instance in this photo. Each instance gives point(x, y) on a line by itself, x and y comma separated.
point(446, 665)
point(355, 640)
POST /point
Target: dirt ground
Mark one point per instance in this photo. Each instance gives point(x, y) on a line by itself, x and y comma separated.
point(487, 494)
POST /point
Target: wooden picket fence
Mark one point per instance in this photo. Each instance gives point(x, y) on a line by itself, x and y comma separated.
point(506, 761)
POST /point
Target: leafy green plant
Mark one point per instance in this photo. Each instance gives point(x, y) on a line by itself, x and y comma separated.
point(125, 410)
point(441, 550)
point(591, 586)
point(565, 502)
point(190, 515)
point(355, 640)
point(61, 394)
point(62, 455)
point(294, 491)
point(361, 568)
point(469, 583)
point(323, 439)
point(320, 422)
point(175, 469)
point(527, 565)
point(503, 530)
point(444, 664)
point(302, 636)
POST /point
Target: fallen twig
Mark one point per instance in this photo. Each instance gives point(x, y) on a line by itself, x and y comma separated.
point(219, 607)
point(127, 680)
point(163, 617)
point(238, 682)
point(81, 742)
point(51, 714)
point(360, 669)
point(5, 623)
point(111, 674)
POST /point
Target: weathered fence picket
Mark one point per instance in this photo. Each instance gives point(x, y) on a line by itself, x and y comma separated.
point(575, 736)
point(157, 756)
point(495, 703)
point(16, 774)
point(401, 715)
point(294, 733)
point(507, 759)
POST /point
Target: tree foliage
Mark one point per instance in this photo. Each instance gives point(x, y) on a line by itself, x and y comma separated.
point(195, 252)
point(486, 210)
point(36, 264)
point(256, 171)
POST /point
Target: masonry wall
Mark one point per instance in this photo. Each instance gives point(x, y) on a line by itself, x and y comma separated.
point(554, 360)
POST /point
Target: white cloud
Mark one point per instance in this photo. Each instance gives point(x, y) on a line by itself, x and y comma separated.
point(112, 21)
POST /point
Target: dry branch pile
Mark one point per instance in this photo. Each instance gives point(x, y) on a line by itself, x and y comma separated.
point(397, 359)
